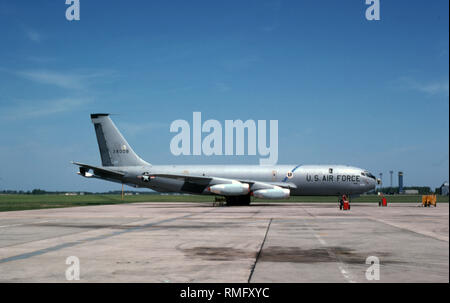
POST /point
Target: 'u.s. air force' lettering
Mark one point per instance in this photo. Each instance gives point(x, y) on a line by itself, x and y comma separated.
point(331, 178)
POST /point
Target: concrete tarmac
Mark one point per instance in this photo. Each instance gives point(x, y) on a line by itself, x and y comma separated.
point(196, 242)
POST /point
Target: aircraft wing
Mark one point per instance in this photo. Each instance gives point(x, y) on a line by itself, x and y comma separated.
point(185, 178)
point(287, 185)
point(228, 187)
point(203, 180)
point(200, 180)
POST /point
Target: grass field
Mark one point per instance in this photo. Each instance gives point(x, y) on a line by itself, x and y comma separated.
point(24, 202)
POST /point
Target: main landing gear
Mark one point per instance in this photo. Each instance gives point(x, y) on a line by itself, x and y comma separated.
point(238, 200)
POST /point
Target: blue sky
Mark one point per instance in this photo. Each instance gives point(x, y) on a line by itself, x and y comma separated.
point(345, 90)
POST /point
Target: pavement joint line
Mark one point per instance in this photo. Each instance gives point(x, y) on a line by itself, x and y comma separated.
point(342, 268)
point(259, 251)
point(12, 225)
point(423, 233)
point(101, 237)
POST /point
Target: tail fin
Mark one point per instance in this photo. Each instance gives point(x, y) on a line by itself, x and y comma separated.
point(114, 149)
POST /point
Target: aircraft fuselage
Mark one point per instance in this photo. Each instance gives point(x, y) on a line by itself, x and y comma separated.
point(306, 179)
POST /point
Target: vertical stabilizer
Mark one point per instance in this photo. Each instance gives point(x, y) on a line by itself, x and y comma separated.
point(114, 149)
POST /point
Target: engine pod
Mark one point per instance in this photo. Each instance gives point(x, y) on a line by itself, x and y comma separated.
point(272, 193)
point(232, 189)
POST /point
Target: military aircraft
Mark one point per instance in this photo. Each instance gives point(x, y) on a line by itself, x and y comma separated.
point(237, 183)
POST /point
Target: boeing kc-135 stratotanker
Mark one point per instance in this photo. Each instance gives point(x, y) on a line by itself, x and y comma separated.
point(237, 183)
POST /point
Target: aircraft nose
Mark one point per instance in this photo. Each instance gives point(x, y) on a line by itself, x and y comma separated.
point(375, 183)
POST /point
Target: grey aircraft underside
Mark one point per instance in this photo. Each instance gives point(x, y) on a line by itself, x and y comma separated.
point(237, 183)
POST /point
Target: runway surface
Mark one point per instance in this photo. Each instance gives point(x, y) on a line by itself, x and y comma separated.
point(195, 242)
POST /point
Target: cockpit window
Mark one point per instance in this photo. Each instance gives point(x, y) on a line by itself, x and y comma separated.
point(370, 175)
point(362, 173)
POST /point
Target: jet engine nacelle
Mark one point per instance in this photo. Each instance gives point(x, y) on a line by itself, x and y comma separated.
point(272, 193)
point(232, 189)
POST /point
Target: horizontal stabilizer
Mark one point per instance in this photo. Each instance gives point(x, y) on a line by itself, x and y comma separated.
point(99, 171)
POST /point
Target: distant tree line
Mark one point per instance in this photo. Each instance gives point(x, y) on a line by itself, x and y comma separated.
point(36, 191)
point(423, 190)
point(45, 192)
